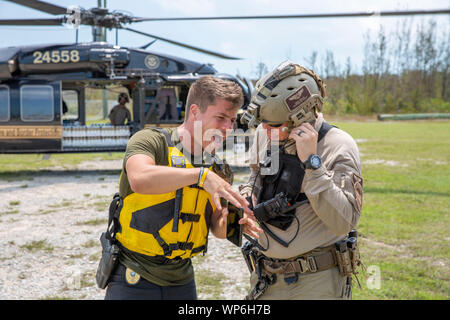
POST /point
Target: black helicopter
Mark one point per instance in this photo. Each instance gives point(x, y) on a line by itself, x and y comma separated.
point(37, 83)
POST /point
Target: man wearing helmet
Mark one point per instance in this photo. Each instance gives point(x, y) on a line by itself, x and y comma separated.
point(306, 190)
point(120, 112)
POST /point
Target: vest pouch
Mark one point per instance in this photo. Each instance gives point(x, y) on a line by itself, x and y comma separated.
point(291, 177)
point(270, 185)
point(287, 180)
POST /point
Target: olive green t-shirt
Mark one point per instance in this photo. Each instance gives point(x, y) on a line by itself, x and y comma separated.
point(151, 143)
point(158, 270)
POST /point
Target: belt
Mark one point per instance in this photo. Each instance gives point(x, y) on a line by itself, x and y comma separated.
point(303, 264)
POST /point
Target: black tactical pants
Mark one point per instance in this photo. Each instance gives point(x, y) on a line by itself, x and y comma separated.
point(119, 289)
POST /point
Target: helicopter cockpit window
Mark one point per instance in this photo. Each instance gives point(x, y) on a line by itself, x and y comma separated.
point(4, 103)
point(36, 103)
point(70, 105)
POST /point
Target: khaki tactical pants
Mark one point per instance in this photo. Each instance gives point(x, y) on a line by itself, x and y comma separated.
point(323, 285)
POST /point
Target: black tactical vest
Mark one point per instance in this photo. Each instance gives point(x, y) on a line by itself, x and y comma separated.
point(288, 180)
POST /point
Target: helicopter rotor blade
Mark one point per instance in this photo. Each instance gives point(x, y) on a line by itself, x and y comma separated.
point(184, 45)
point(41, 6)
point(306, 16)
point(32, 22)
point(145, 46)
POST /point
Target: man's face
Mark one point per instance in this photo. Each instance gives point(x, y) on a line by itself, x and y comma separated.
point(216, 122)
point(277, 133)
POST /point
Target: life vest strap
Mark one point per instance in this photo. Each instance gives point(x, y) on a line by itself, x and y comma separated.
point(189, 217)
point(176, 210)
point(181, 246)
point(169, 248)
point(199, 249)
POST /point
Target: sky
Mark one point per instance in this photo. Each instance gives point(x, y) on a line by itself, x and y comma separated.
point(268, 41)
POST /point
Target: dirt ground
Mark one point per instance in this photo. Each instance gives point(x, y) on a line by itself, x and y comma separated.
point(50, 224)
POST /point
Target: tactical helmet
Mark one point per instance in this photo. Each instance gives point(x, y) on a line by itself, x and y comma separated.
point(289, 93)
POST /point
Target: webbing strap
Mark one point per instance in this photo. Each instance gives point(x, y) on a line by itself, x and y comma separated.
point(169, 248)
point(176, 210)
point(189, 217)
point(199, 249)
point(324, 128)
point(163, 244)
point(303, 264)
point(113, 216)
point(181, 246)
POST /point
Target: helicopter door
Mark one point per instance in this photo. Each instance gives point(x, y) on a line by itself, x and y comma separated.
point(163, 106)
point(31, 114)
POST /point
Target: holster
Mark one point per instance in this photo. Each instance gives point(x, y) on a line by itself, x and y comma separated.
point(344, 254)
point(110, 250)
point(254, 263)
point(108, 262)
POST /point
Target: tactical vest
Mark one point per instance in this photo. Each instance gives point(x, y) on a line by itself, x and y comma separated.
point(287, 180)
point(173, 224)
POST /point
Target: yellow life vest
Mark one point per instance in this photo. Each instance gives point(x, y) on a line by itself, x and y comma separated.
point(173, 224)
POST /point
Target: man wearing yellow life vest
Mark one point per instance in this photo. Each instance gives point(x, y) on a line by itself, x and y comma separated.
point(170, 198)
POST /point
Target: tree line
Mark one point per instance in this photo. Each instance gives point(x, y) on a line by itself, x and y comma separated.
point(401, 72)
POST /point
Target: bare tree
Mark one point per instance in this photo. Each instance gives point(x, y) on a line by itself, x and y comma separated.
point(311, 61)
point(261, 69)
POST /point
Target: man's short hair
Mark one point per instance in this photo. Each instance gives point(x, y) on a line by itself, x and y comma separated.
point(206, 90)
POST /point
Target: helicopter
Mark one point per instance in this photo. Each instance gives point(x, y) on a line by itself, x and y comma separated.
point(43, 88)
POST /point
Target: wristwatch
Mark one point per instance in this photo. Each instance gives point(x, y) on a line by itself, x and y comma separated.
point(314, 161)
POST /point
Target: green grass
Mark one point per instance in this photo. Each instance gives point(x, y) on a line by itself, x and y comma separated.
point(93, 222)
point(209, 285)
point(23, 166)
point(405, 221)
point(38, 245)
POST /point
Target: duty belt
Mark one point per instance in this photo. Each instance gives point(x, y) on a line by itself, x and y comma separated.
point(302, 264)
point(267, 268)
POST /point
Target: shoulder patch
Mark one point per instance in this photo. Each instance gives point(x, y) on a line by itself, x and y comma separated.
point(358, 187)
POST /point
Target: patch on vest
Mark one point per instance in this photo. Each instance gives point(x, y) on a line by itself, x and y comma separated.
point(178, 161)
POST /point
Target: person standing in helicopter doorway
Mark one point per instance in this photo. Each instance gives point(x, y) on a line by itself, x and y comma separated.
point(119, 113)
point(309, 203)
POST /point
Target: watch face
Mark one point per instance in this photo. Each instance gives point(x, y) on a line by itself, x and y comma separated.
point(315, 161)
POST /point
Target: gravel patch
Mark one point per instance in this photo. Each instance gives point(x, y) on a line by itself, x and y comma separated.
point(50, 226)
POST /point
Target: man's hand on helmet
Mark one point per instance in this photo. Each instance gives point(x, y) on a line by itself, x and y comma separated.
point(306, 141)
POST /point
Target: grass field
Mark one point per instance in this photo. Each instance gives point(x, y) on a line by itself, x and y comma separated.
point(23, 166)
point(405, 223)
